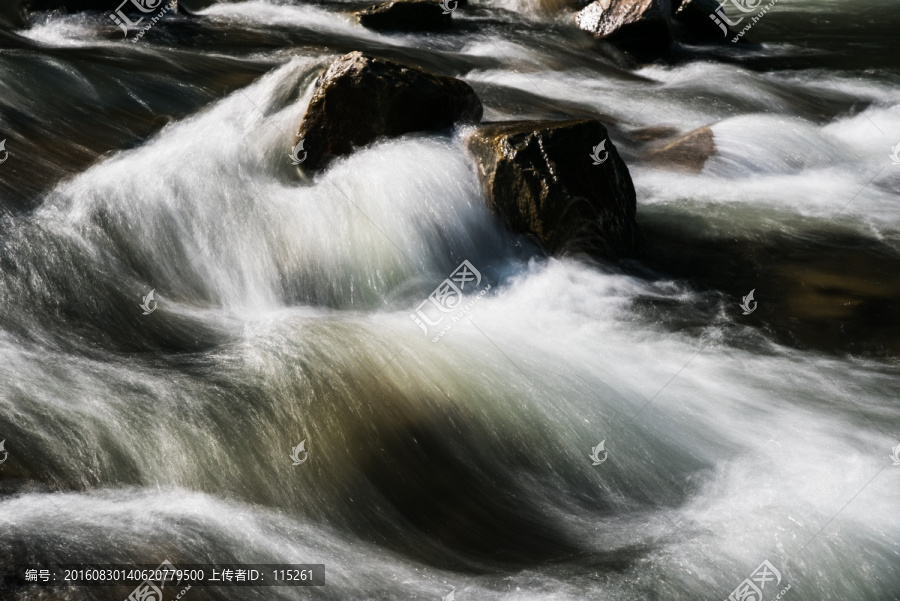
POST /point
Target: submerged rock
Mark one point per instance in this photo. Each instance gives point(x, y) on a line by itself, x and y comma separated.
point(688, 153)
point(562, 182)
point(406, 15)
point(653, 133)
point(643, 24)
point(361, 98)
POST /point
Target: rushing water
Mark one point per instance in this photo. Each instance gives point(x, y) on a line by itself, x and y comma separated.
point(283, 315)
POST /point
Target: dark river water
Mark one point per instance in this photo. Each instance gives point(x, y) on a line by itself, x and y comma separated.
point(282, 315)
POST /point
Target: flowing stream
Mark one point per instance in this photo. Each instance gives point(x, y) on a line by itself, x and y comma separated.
point(283, 315)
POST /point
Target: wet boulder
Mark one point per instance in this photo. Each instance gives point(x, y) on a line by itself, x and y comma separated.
point(407, 15)
point(688, 153)
point(361, 98)
point(561, 182)
point(634, 24)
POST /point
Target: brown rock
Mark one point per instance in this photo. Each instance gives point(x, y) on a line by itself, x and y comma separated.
point(540, 179)
point(406, 15)
point(687, 153)
point(361, 98)
point(642, 24)
point(653, 133)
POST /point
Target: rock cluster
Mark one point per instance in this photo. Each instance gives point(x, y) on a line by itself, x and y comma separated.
point(560, 182)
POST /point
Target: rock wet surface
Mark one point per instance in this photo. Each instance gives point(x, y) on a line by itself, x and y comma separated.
point(540, 180)
point(643, 24)
point(361, 98)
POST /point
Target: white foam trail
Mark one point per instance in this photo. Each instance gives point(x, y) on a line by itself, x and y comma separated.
point(303, 15)
point(76, 30)
point(790, 165)
point(774, 433)
point(213, 202)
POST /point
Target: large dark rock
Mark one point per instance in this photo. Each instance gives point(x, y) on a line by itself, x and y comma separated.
point(406, 15)
point(636, 24)
point(688, 153)
point(361, 98)
point(540, 178)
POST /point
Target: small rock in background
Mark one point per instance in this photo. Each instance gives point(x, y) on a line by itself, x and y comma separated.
point(648, 27)
point(634, 24)
point(688, 153)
